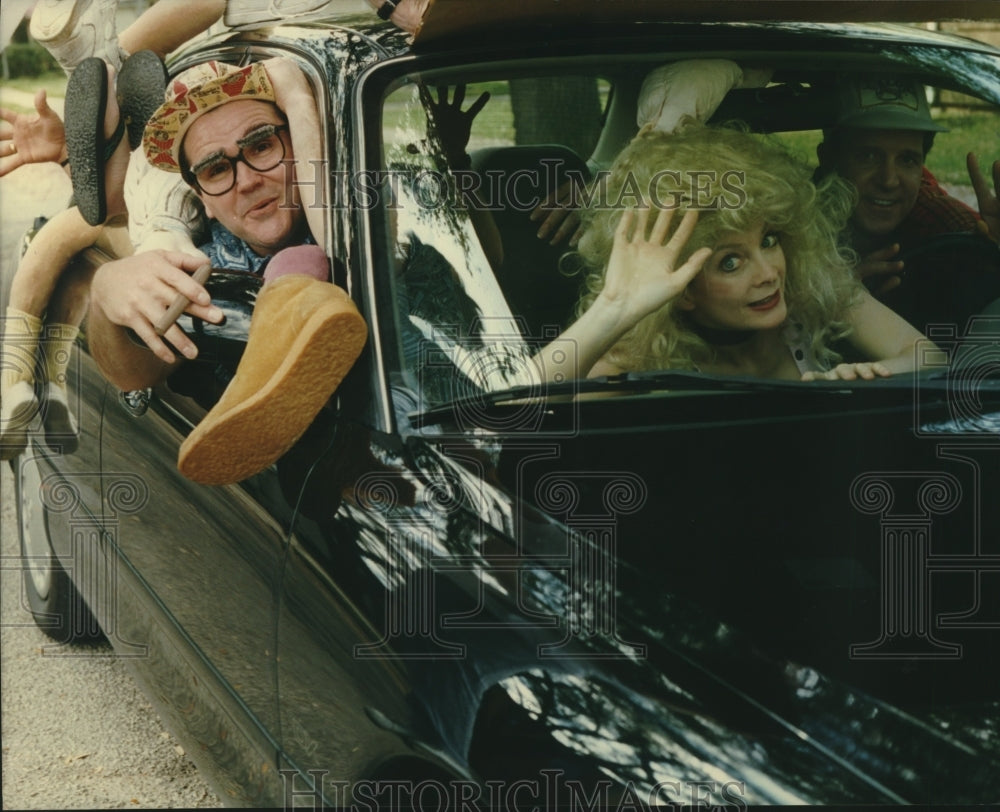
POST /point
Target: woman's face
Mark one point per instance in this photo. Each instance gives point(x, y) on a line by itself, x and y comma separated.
point(742, 284)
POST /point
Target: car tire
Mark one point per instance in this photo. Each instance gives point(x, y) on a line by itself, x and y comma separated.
point(56, 606)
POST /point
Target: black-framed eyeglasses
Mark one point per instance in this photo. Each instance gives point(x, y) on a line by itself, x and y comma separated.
point(261, 149)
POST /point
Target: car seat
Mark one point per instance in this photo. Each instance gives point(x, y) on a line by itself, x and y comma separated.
point(541, 294)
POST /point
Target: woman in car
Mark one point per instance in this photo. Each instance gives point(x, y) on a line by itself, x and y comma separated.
point(710, 249)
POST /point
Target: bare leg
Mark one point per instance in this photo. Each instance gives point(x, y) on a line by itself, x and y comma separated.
point(42, 276)
point(66, 311)
point(71, 297)
point(117, 164)
point(408, 14)
point(72, 30)
point(56, 243)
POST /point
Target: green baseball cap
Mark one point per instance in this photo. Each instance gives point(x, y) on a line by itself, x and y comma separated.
point(884, 103)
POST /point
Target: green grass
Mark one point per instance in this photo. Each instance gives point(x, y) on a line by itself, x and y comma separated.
point(977, 132)
point(494, 125)
point(54, 84)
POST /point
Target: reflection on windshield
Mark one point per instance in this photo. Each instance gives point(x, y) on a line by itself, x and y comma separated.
point(466, 326)
point(453, 314)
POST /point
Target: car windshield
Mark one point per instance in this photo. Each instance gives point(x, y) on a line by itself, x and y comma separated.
point(459, 306)
point(469, 153)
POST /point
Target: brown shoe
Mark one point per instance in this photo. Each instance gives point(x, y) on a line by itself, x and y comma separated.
point(305, 336)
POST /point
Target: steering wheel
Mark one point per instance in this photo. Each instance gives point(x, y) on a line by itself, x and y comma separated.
point(947, 280)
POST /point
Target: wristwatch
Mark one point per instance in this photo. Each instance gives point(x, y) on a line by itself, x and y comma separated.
point(385, 10)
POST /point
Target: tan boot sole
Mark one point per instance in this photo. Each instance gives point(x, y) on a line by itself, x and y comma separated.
point(232, 444)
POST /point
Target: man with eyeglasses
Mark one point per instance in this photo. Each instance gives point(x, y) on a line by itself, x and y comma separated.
point(226, 130)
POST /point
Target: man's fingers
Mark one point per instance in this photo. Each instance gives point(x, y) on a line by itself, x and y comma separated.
point(552, 222)
point(478, 104)
point(571, 224)
point(182, 300)
point(185, 346)
point(156, 345)
point(890, 283)
point(183, 259)
point(555, 202)
point(977, 178)
point(885, 253)
point(876, 269)
point(187, 284)
point(881, 262)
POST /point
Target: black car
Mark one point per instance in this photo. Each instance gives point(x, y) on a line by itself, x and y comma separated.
point(461, 587)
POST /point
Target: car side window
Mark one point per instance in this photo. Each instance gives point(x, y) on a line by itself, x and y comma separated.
point(451, 315)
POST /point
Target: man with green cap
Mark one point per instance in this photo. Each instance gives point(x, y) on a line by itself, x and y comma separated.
point(879, 143)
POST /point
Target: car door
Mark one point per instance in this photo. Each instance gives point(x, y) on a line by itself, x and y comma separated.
point(205, 562)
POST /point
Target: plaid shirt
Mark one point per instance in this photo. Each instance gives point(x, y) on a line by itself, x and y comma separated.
point(935, 213)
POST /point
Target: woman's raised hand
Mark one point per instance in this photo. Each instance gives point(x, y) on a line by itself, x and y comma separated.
point(642, 272)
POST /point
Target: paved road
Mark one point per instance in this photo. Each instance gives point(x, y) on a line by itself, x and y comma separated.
point(77, 733)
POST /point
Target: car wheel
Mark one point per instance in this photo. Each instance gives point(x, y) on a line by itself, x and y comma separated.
point(55, 604)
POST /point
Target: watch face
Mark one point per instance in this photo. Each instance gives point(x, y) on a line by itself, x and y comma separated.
point(386, 9)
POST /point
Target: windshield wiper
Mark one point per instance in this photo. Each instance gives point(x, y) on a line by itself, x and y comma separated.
point(936, 384)
point(628, 383)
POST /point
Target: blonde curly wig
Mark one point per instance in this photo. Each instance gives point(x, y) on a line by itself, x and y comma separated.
point(737, 180)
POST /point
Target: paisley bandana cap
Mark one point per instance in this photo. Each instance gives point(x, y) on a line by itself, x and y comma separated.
point(192, 94)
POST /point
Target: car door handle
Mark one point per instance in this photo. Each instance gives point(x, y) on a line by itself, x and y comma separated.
point(135, 401)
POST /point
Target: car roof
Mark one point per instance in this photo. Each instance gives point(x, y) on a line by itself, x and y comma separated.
point(449, 21)
point(460, 25)
point(464, 27)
